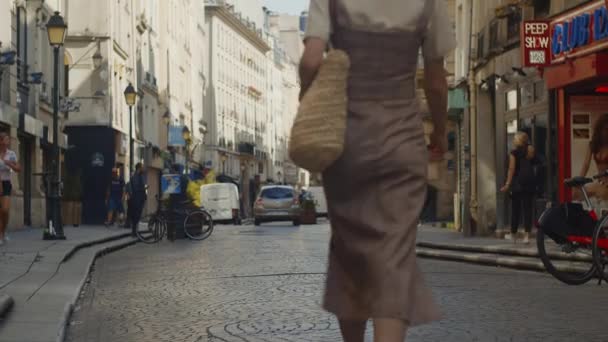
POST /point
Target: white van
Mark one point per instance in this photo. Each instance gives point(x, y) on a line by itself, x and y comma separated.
point(320, 201)
point(221, 200)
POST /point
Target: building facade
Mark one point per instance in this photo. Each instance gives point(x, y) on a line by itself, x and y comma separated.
point(26, 85)
point(503, 98)
point(151, 45)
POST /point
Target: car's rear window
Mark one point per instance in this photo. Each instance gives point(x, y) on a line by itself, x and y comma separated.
point(277, 193)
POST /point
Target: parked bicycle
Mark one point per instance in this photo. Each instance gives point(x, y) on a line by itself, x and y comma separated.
point(197, 225)
point(576, 249)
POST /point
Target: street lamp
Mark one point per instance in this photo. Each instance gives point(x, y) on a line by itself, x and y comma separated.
point(56, 29)
point(224, 158)
point(130, 97)
point(187, 140)
point(97, 59)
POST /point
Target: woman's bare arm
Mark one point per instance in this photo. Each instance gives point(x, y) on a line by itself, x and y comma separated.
point(436, 91)
point(510, 174)
point(586, 163)
point(311, 61)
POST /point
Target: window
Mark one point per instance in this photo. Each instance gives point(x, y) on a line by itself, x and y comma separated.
point(511, 100)
point(513, 25)
point(527, 94)
point(540, 92)
point(480, 45)
point(542, 8)
point(494, 43)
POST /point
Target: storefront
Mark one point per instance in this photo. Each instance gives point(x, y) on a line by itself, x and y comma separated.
point(576, 75)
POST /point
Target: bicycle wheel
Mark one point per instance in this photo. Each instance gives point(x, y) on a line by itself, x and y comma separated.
point(198, 225)
point(569, 262)
point(600, 247)
point(155, 231)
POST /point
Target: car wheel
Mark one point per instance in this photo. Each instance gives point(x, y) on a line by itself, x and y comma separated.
point(296, 223)
point(257, 222)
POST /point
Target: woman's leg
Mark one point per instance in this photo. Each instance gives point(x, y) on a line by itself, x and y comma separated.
point(515, 212)
point(352, 331)
point(5, 207)
point(389, 330)
point(528, 205)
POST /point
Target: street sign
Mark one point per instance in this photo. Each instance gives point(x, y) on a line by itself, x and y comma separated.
point(171, 184)
point(579, 32)
point(176, 136)
point(536, 43)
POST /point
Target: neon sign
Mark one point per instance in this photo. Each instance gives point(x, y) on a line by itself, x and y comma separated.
point(579, 32)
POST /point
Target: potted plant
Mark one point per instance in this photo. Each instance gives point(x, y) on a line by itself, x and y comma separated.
point(308, 212)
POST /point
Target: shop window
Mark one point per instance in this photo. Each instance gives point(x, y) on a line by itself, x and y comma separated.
point(527, 94)
point(511, 130)
point(511, 100)
point(540, 91)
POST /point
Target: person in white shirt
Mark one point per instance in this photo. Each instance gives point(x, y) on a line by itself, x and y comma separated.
point(8, 164)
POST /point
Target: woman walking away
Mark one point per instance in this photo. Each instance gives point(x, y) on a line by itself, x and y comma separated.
point(376, 189)
point(522, 182)
point(8, 164)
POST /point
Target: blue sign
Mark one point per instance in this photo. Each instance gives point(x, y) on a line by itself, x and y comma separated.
point(171, 184)
point(176, 137)
point(580, 31)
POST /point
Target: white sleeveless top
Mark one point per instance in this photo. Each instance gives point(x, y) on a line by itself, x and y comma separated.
point(5, 170)
point(387, 16)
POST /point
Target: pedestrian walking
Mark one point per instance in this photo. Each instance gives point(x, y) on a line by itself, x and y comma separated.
point(376, 189)
point(522, 184)
point(136, 197)
point(114, 198)
point(8, 164)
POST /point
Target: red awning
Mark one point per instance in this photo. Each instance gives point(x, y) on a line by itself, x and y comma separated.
point(576, 70)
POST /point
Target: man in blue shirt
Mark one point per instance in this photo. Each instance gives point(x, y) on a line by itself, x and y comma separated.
point(114, 198)
point(137, 195)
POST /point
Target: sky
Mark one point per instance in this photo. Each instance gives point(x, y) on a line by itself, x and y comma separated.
point(287, 6)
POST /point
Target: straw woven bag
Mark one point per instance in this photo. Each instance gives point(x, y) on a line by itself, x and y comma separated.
point(319, 129)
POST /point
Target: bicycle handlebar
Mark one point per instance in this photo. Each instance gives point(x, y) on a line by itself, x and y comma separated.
point(601, 175)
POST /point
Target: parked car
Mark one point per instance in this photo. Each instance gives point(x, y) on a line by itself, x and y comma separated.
point(276, 203)
point(318, 195)
point(221, 200)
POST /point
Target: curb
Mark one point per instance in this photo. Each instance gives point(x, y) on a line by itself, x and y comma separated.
point(6, 304)
point(69, 307)
point(487, 260)
point(93, 243)
point(478, 249)
point(483, 260)
point(495, 250)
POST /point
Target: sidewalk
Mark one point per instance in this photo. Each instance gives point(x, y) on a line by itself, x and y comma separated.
point(41, 280)
point(448, 244)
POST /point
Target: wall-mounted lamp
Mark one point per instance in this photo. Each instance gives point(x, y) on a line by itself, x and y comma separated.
point(519, 71)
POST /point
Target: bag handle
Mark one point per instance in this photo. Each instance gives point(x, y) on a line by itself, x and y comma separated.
point(333, 22)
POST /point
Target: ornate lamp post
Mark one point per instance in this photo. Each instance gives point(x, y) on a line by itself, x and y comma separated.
point(130, 98)
point(56, 29)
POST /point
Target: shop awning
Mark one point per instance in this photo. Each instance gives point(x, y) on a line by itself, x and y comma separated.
point(457, 103)
point(577, 70)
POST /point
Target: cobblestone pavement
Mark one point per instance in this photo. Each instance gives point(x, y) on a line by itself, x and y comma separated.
point(265, 284)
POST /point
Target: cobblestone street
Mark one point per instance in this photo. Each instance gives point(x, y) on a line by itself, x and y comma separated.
point(265, 284)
